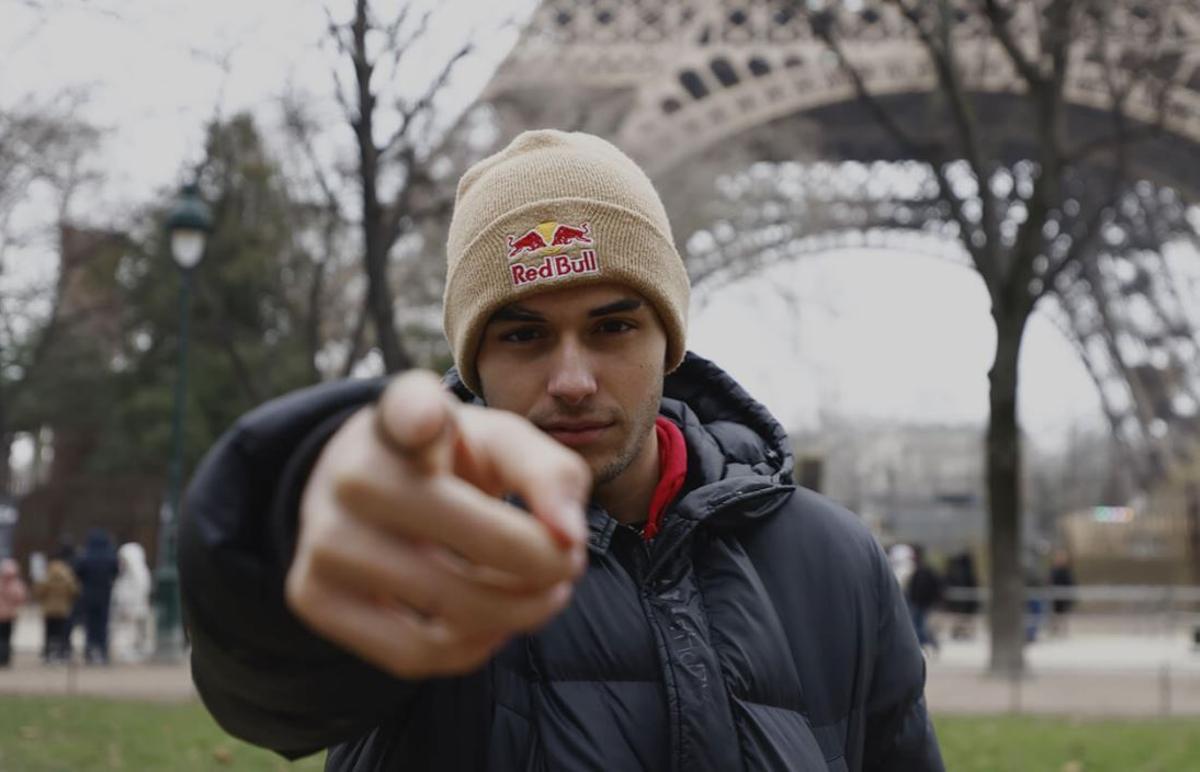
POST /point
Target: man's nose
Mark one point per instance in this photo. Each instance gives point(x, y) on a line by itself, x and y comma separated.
point(572, 378)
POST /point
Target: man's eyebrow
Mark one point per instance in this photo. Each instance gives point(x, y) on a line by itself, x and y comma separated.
point(620, 306)
point(515, 313)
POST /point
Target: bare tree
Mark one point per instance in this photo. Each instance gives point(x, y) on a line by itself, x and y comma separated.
point(324, 239)
point(1049, 243)
point(44, 156)
point(397, 186)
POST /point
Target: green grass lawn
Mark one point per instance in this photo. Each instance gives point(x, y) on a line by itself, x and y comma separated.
point(1040, 744)
point(80, 734)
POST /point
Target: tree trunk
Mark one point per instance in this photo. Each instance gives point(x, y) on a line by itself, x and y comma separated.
point(1192, 513)
point(314, 317)
point(6, 440)
point(356, 342)
point(375, 241)
point(1006, 578)
point(379, 298)
point(6, 476)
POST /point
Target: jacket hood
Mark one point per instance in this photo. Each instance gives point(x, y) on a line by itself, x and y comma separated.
point(132, 553)
point(99, 548)
point(737, 452)
point(739, 457)
point(59, 569)
point(131, 559)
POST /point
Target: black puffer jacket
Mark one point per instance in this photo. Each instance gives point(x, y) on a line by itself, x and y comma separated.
point(761, 629)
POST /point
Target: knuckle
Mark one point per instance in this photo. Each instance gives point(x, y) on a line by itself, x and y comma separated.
point(429, 601)
point(354, 489)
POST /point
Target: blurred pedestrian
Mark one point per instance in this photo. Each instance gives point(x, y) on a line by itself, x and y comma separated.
point(903, 563)
point(1062, 581)
point(57, 594)
point(12, 597)
point(131, 618)
point(960, 577)
point(1035, 601)
point(924, 592)
point(97, 570)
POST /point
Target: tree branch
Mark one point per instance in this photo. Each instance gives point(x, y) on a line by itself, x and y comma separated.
point(1050, 276)
point(822, 28)
point(392, 31)
point(930, 153)
point(947, 67)
point(999, 17)
point(408, 115)
point(360, 327)
point(400, 48)
point(1075, 333)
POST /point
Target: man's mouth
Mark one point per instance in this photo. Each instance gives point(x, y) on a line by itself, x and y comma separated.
point(576, 433)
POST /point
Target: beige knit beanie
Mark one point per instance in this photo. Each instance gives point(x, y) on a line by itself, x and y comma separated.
point(555, 210)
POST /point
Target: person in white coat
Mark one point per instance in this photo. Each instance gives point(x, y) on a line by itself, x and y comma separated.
point(903, 561)
point(131, 618)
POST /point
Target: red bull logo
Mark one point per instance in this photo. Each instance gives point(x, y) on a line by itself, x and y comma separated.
point(552, 250)
point(549, 238)
point(554, 267)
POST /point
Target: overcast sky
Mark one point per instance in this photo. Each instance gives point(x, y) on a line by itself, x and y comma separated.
point(888, 335)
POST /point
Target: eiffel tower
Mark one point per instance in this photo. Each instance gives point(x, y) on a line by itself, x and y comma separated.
point(676, 81)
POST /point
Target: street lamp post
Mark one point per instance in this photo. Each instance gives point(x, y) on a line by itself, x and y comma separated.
point(188, 225)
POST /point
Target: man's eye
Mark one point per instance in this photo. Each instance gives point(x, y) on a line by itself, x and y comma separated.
point(614, 326)
point(521, 335)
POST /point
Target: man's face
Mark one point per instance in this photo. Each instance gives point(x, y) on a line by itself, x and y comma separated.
point(583, 364)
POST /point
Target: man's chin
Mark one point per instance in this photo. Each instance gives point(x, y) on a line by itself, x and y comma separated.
point(606, 469)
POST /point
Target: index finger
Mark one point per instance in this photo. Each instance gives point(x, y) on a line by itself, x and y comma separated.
point(415, 418)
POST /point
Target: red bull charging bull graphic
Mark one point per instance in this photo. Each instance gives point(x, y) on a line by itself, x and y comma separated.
point(552, 250)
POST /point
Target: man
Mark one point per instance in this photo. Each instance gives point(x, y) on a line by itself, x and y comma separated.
point(607, 567)
point(1062, 581)
point(97, 570)
point(924, 592)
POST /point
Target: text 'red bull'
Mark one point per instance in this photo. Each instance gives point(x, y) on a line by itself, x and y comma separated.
point(554, 267)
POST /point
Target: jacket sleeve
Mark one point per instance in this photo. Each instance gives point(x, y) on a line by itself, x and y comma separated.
point(263, 675)
point(899, 734)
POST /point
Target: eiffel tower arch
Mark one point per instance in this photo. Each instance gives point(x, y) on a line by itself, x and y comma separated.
point(668, 80)
point(731, 81)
